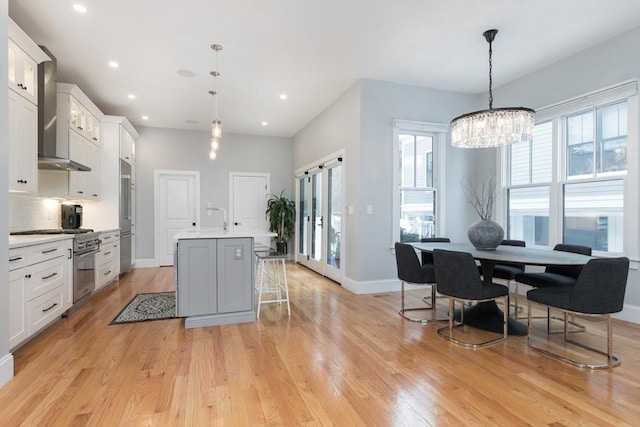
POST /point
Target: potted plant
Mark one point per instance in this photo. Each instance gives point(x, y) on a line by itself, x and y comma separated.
point(282, 219)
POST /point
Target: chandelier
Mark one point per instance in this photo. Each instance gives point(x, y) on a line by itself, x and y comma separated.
point(216, 125)
point(495, 126)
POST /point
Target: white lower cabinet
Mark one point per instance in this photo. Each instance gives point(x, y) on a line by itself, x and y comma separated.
point(108, 259)
point(40, 287)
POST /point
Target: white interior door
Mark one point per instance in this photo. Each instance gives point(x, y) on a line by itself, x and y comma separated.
point(176, 208)
point(248, 194)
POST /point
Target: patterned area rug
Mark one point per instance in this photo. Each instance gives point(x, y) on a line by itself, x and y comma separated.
point(151, 306)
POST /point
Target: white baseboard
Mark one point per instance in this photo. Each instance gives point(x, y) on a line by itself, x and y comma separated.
point(145, 263)
point(6, 369)
point(373, 287)
point(629, 313)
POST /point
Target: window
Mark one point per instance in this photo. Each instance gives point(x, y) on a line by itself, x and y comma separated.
point(579, 200)
point(527, 199)
point(416, 192)
point(417, 195)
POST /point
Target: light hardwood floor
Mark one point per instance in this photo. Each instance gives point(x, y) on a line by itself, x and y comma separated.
point(340, 359)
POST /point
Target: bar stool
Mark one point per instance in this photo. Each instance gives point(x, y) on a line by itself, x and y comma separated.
point(269, 278)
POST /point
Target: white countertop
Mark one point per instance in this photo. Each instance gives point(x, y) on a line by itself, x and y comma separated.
point(218, 233)
point(35, 239)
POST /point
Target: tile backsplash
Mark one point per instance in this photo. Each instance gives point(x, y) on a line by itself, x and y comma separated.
point(27, 212)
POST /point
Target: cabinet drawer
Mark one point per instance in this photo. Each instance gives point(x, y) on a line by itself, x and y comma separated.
point(105, 273)
point(45, 276)
point(44, 309)
point(47, 251)
point(17, 258)
point(110, 237)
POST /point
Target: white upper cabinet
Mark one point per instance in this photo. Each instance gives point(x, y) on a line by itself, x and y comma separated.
point(23, 73)
point(22, 68)
point(22, 63)
point(23, 146)
point(126, 146)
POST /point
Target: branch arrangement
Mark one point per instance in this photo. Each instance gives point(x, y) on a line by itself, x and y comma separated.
point(481, 197)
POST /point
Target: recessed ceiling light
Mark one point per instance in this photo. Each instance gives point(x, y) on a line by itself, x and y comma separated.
point(265, 123)
point(283, 96)
point(131, 96)
point(145, 117)
point(186, 73)
point(79, 8)
point(113, 64)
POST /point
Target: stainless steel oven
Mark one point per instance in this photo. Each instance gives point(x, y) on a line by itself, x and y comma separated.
point(85, 248)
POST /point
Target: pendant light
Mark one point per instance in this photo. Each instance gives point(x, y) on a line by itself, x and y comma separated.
point(216, 125)
point(495, 126)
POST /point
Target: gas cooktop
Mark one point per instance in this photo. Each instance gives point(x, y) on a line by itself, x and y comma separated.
point(54, 231)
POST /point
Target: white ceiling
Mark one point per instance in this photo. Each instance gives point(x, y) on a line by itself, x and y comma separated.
point(312, 50)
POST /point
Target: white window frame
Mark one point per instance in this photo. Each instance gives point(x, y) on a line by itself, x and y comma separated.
point(439, 145)
point(628, 91)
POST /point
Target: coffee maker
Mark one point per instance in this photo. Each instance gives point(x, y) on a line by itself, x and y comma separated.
point(71, 216)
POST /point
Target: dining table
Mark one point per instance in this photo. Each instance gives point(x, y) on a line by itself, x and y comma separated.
point(487, 315)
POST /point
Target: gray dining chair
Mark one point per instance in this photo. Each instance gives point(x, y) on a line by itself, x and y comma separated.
point(412, 272)
point(427, 259)
point(458, 279)
point(508, 272)
point(557, 276)
point(598, 291)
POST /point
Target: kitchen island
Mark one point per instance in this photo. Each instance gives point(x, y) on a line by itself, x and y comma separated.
point(214, 275)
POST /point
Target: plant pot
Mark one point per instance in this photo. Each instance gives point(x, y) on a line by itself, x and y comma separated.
point(485, 235)
point(281, 247)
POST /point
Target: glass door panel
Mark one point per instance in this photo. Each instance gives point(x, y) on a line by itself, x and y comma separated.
point(303, 224)
point(316, 217)
point(334, 209)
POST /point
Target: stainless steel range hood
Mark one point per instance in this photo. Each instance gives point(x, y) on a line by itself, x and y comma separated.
point(52, 154)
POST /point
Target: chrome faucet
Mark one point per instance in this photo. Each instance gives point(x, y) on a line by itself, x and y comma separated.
point(225, 225)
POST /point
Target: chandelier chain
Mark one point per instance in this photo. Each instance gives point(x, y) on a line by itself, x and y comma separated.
point(490, 77)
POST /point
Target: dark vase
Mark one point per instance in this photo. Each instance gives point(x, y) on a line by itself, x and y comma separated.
point(485, 235)
point(281, 247)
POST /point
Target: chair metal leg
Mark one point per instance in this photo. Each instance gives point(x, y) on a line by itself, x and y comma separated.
point(447, 331)
point(403, 309)
point(611, 360)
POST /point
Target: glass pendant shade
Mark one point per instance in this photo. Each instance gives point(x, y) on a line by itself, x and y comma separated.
point(493, 127)
point(215, 143)
point(212, 154)
point(216, 129)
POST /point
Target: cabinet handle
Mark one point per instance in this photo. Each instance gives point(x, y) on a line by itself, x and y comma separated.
point(70, 253)
point(27, 276)
point(49, 276)
point(107, 273)
point(95, 139)
point(18, 258)
point(107, 253)
point(95, 195)
point(80, 192)
point(47, 309)
point(48, 251)
point(24, 87)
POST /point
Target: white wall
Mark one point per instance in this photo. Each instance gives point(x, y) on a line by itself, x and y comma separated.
point(189, 150)
point(6, 360)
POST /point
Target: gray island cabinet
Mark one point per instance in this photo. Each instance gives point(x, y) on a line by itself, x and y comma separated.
point(214, 277)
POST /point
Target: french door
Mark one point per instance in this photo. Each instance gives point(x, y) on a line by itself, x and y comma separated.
point(319, 233)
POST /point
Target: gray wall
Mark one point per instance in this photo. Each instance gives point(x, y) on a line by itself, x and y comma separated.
point(606, 64)
point(4, 199)
point(360, 122)
point(189, 150)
